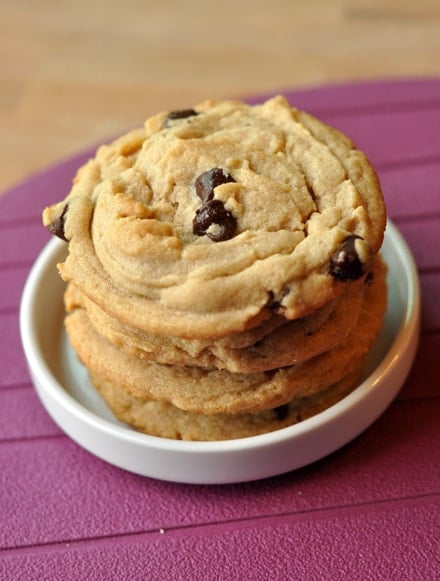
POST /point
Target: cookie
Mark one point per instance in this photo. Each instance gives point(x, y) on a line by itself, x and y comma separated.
point(203, 225)
point(268, 346)
point(159, 418)
point(211, 391)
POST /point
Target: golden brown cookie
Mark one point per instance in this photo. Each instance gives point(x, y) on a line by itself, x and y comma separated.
point(206, 222)
point(210, 391)
point(162, 419)
point(274, 343)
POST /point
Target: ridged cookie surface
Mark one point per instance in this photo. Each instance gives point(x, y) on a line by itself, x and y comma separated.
point(206, 222)
point(275, 343)
point(159, 418)
point(208, 391)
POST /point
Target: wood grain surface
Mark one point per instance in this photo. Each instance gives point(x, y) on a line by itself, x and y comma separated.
point(75, 73)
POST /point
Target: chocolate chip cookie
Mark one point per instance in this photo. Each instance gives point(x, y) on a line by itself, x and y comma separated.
point(203, 225)
point(200, 390)
point(159, 418)
point(274, 343)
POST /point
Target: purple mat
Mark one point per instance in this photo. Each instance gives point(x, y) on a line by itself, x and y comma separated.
point(369, 511)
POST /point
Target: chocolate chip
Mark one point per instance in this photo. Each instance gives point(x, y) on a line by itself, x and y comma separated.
point(57, 226)
point(274, 302)
point(282, 411)
point(208, 180)
point(214, 212)
point(211, 212)
point(345, 263)
point(181, 114)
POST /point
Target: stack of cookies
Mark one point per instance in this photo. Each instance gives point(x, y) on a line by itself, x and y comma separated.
point(223, 274)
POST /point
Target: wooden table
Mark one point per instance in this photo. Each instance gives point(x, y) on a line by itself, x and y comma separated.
point(74, 73)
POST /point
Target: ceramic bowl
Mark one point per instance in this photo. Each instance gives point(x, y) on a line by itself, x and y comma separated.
point(65, 391)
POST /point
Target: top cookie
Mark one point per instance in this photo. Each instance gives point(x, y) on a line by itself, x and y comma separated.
point(207, 221)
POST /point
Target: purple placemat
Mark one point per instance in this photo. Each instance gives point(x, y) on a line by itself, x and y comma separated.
point(369, 511)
